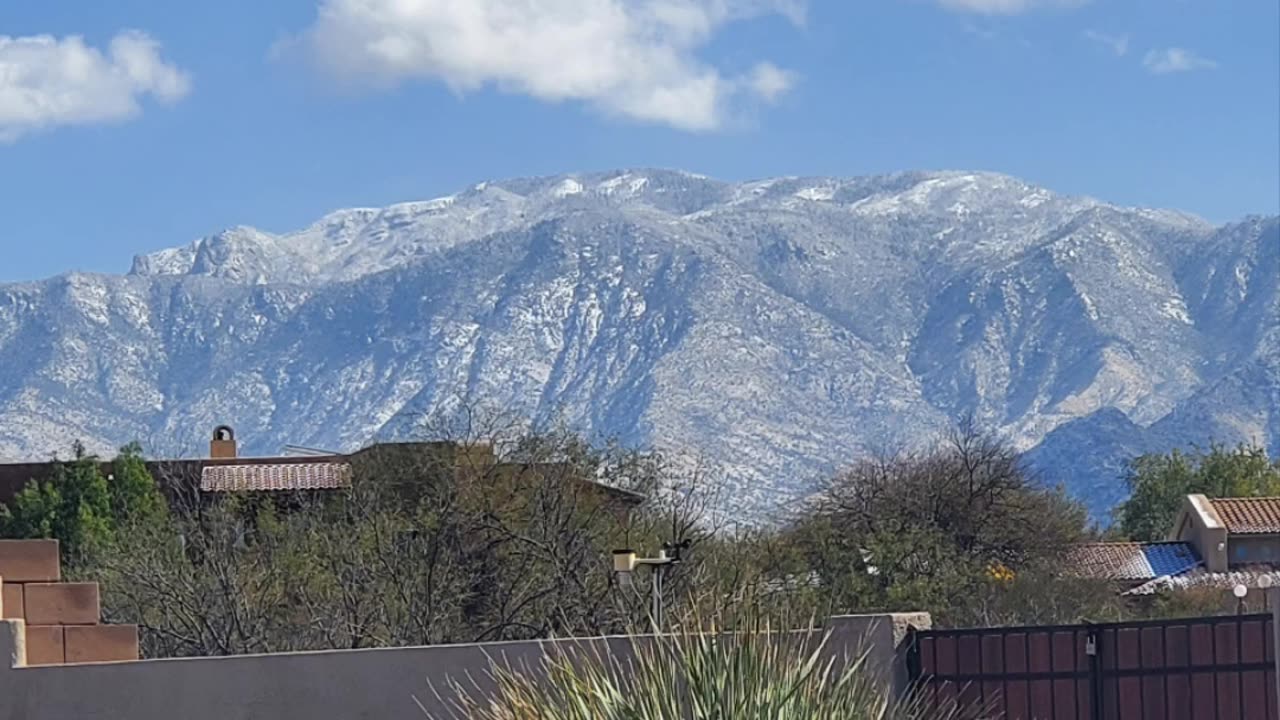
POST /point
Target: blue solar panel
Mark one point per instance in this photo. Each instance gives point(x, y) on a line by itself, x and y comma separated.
point(1170, 558)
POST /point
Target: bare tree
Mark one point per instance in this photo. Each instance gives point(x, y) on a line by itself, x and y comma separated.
point(433, 543)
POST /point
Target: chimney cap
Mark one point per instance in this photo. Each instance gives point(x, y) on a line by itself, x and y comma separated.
point(223, 444)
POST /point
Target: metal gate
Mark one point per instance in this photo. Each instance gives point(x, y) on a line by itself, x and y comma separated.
point(1211, 668)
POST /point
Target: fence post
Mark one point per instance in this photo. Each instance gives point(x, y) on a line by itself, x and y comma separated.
point(1093, 648)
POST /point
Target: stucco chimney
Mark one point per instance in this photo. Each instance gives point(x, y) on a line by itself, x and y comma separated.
point(223, 444)
point(1209, 534)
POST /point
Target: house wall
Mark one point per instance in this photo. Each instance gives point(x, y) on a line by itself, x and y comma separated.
point(1199, 525)
point(1244, 550)
point(352, 684)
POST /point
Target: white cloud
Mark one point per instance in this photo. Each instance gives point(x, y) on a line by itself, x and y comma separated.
point(770, 82)
point(47, 81)
point(1118, 44)
point(1006, 7)
point(1172, 60)
point(634, 58)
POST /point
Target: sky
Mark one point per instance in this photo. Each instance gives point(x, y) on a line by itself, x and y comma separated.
point(134, 125)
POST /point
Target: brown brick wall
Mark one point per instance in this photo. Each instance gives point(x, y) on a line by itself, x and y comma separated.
point(62, 619)
point(23, 561)
point(45, 645)
point(62, 603)
point(101, 643)
point(11, 603)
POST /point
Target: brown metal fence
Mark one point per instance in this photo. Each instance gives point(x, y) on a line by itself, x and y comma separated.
point(1212, 668)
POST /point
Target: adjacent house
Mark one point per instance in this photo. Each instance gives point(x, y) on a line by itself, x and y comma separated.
point(1212, 542)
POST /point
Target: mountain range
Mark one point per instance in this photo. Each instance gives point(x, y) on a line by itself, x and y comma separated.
point(773, 330)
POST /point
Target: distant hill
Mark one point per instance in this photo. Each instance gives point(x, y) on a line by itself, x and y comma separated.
point(779, 328)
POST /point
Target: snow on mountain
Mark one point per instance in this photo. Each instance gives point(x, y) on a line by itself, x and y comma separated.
point(777, 328)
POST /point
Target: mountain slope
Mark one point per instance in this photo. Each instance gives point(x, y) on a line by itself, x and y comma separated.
point(777, 328)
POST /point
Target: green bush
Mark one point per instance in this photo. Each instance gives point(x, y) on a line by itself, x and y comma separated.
point(83, 508)
point(756, 673)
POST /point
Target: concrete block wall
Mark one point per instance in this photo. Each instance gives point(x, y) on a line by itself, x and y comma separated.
point(383, 684)
point(62, 619)
point(884, 640)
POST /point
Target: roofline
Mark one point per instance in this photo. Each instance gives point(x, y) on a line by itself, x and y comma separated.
point(1133, 542)
point(1250, 498)
point(1247, 530)
point(269, 460)
point(192, 464)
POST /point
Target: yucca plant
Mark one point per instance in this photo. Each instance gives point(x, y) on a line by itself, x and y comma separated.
point(754, 673)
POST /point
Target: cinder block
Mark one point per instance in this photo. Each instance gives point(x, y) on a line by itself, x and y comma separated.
point(23, 561)
point(62, 603)
point(101, 643)
point(11, 603)
point(45, 645)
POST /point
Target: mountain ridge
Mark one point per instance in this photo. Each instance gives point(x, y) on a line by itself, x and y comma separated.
point(779, 327)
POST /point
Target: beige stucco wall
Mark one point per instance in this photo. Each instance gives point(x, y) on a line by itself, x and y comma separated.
point(1199, 525)
point(342, 685)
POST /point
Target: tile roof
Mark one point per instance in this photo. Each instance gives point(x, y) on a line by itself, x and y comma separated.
point(1131, 561)
point(1249, 516)
point(275, 476)
point(1262, 576)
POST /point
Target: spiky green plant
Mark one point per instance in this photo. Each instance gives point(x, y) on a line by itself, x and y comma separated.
point(755, 673)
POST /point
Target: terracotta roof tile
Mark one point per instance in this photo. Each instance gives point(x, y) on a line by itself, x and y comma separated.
point(275, 476)
point(1131, 561)
point(1249, 516)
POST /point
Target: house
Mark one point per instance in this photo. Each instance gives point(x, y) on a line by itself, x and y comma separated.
point(408, 464)
point(1212, 543)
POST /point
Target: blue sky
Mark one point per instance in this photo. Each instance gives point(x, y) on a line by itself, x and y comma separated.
point(133, 125)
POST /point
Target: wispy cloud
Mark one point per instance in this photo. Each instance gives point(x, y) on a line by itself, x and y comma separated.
point(770, 82)
point(1118, 44)
point(633, 58)
point(47, 82)
point(1174, 60)
point(1006, 7)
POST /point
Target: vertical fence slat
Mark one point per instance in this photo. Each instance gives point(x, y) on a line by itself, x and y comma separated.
point(1189, 669)
point(1179, 692)
point(1017, 696)
point(1240, 697)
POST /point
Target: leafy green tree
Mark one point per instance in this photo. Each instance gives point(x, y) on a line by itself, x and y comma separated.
point(34, 513)
point(73, 505)
point(1159, 482)
point(133, 492)
point(82, 507)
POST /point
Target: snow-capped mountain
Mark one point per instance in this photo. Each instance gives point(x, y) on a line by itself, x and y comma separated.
point(776, 328)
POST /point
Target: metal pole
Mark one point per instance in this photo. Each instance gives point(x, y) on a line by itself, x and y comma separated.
point(657, 597)
point(658, 571)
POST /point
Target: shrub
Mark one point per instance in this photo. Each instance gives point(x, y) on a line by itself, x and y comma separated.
point(756, 673)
